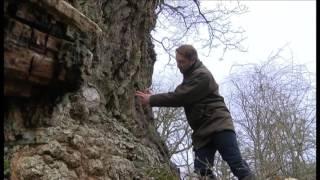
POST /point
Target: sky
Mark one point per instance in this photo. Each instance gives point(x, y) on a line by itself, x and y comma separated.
point(269, 25)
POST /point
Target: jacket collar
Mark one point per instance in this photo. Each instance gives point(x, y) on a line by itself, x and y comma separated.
point(195, 66)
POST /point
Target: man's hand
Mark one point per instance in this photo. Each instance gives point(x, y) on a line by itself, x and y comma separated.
point(144, 96)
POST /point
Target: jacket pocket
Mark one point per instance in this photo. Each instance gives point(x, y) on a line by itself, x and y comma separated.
point(195, 116)
point(216, 113)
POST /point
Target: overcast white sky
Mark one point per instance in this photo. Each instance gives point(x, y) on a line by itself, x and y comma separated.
point(269, 25)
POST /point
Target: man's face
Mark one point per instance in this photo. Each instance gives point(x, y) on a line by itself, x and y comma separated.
point(183, 63)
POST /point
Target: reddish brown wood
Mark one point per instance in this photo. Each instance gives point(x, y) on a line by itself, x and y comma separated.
point(18, 30)
point(17, 88)
point(69, 14)
point(31, 47)
point(25, 64)
point(42, 69)
point(41, 40)
point(17, 62)
point(24, 11)
point(62, 74)
point(54, 43)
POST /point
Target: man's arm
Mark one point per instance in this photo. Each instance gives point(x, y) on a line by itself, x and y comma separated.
point(185, 94)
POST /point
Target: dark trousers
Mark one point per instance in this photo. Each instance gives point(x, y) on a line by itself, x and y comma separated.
point(226, 143)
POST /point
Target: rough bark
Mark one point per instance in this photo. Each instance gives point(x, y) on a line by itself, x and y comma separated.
point(70, 109)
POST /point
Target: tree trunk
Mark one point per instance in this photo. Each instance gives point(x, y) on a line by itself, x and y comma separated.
point(71, 71)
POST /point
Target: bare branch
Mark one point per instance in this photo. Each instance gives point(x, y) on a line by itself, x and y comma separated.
point(189, 20)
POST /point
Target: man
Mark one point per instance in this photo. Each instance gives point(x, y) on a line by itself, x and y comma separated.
point(206, 113)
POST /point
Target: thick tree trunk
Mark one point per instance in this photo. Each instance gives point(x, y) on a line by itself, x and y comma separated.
point(71, 71)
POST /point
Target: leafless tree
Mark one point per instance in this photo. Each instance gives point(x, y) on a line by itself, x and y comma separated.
point(177, 22)
point(204, 22)
point(174, 130)
point(273, 105)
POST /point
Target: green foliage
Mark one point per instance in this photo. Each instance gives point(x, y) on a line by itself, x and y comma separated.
point(6, 167)
point(161, 173)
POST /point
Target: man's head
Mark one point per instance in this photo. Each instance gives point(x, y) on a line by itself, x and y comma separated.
point(186, 56)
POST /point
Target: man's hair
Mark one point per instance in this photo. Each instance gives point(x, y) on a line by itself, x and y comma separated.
point(188, 51)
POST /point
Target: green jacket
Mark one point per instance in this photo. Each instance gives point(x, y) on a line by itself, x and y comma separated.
point(205, 109)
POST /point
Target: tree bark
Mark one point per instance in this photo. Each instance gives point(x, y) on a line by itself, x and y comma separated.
point(70, 110)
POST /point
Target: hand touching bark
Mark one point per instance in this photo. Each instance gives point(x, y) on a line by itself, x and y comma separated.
point(144, 96)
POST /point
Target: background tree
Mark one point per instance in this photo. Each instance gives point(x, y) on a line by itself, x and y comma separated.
point(173, 129)
point(273, 105)
point(177, 23)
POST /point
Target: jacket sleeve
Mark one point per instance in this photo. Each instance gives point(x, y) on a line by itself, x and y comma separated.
point(186, 93)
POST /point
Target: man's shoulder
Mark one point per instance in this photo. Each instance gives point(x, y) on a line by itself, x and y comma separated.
point(202, 71)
